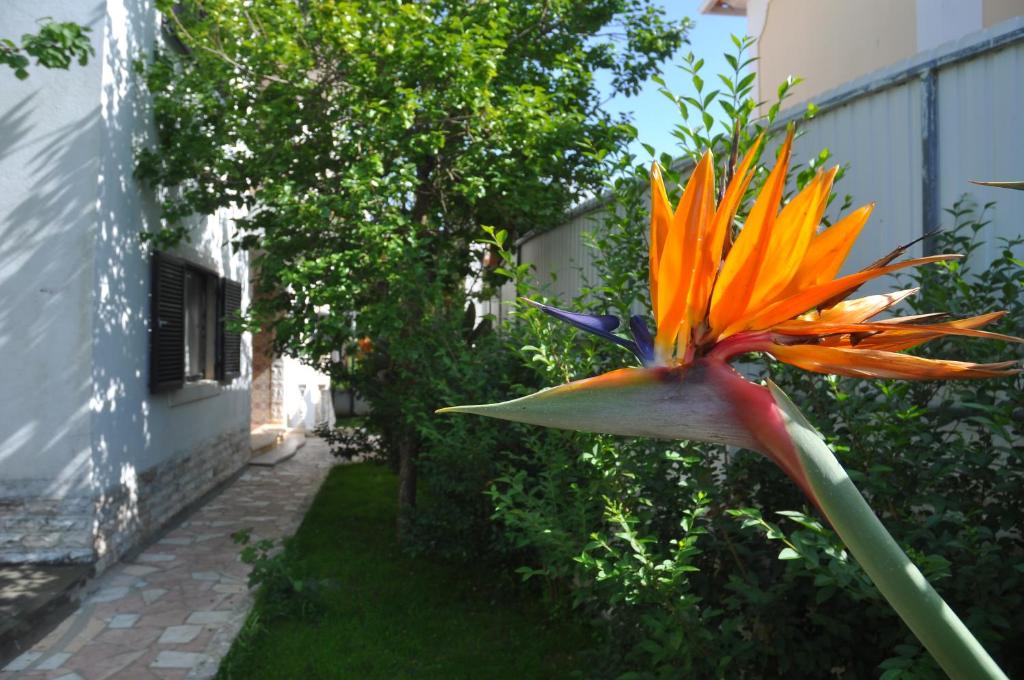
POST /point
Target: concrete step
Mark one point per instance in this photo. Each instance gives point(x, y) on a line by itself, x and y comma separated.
point(281, 452)
point(263, 441)
point(266, 437)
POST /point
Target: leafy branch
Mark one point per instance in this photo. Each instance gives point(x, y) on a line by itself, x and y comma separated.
point(56, 45)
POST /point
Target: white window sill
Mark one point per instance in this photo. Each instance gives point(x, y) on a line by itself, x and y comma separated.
point(194, 391)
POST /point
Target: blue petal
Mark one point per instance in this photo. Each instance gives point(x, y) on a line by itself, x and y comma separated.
point(598, 324)
point(644, 342)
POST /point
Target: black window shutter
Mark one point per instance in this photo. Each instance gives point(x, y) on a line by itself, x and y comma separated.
point(167, 324)
point(229, 364)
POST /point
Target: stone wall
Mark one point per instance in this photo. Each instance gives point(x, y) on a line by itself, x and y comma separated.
point(262, 367)
point(41, 529)
point(268, 382)
point(277, 414)
point(136, 510)
point(105, 527)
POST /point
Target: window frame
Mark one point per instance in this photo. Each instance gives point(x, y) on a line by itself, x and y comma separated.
point(168, 328)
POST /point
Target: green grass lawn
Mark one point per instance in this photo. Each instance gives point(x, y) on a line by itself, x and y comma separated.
point(392, 616)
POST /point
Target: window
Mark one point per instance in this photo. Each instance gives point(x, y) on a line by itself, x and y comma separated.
point(190, 334)
point(200, 320)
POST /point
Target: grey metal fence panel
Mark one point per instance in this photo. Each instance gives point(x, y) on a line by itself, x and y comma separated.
point(563, 262)
point(981, 136)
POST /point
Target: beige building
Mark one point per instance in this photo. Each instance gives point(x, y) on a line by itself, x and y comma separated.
point(831, 42)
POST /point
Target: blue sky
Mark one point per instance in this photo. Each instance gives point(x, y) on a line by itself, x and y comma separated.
point(653, 114)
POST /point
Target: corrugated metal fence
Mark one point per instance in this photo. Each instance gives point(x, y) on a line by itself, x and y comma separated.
point(914, 134)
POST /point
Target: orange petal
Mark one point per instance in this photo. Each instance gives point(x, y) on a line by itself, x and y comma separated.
point(734, 287)
point(864, 308)
point(906, 336)
point(799, 303)
point(858, 363)
point(661, 219)
point(828, 251)
point(694, 250)
point(818, 328)
point(794, 229)
point(918, 318)
point(675, 271)
point(880, 262)
point(879, 340)
point(968, 322)
point(711, 258)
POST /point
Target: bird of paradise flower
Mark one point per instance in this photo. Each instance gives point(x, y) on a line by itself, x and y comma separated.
point(774, 290)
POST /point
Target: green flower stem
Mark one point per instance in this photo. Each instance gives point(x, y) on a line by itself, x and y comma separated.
point(934, 623)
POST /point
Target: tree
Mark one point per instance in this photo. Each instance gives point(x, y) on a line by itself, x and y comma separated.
point(56, 45)
point(368, 143)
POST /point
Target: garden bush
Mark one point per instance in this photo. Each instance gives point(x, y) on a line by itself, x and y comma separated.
point(700, 561)
point(704, 562)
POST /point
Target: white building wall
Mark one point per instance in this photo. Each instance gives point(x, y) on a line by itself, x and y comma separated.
point(50, 135)
point(307, 396)
point(130, 426)
point(96, 462)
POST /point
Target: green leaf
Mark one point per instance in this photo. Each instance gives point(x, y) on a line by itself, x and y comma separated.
point(631, 402)
point(1000, 185)
point(788, 554)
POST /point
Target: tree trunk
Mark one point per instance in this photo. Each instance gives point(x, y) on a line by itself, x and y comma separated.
point(407, 443)
point(406, 482)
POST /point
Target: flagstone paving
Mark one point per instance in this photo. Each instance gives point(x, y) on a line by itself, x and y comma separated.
point(173, 611)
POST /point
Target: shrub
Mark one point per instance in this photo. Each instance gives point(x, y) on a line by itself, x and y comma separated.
point(700, 561)
point(349, 442)
point(283, 590)
point(705, 562)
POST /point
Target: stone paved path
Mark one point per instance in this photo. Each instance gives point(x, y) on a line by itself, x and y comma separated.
point(173, 611)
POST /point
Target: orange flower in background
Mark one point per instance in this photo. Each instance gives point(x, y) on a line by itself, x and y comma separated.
point(776, 290)
point(365, 345)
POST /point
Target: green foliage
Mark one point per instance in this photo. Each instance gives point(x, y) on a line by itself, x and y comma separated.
point(332, 118)
point(56, 45)
point(395, 616)
point(349, 442)
point(367, 142)
point(707, 563)
point(942, 461)
point(283, 591)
